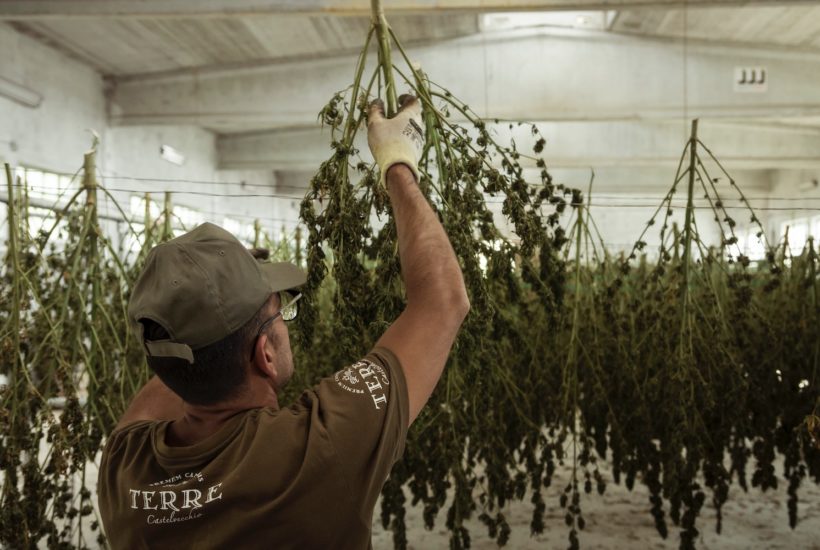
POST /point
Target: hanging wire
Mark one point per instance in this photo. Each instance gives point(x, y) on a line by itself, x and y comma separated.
point(630, 196)
point(205, 182)
point(182, 192)
point(209, 194)
point(175, 180)
point(489, 199)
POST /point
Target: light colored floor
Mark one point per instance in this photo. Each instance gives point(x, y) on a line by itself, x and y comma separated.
point(620, 519)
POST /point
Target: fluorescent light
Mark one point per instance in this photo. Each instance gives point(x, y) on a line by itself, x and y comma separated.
point(19, 93)
point(171, 155)
point(521, 20)
point(808, 185)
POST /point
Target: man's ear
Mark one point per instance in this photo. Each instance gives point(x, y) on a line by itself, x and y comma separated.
point(263, 358)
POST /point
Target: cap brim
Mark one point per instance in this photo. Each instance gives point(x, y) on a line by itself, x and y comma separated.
point(283, 275)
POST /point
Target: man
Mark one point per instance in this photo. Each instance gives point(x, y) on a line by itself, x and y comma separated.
point(204, 457)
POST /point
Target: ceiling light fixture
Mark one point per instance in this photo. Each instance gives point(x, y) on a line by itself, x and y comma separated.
point(20, 94)
point(522, 20)
point(171, 155)
point(809, 185)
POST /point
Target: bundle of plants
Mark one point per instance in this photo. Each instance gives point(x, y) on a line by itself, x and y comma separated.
point(686, 376)
point(582, 400)
point(778, 337)
point(493, 380)
point(71, 365)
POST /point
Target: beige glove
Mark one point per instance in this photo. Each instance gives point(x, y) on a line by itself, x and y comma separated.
point(397, 140)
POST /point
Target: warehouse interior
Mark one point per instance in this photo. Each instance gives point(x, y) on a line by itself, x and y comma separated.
point(209, 111)
point(235, 88)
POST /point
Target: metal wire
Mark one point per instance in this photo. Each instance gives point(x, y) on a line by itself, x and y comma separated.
point(490, 200)
point(303, 190)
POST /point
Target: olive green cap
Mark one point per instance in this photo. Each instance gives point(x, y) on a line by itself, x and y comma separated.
point(202, 287)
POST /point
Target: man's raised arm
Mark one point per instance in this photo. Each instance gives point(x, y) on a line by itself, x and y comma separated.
point(437, 302)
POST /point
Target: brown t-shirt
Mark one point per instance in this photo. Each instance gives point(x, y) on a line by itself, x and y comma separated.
point(307, 476)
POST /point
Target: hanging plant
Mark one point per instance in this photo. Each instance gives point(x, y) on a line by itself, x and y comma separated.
point(71, 362)
point(352, 248)
point(688, 373)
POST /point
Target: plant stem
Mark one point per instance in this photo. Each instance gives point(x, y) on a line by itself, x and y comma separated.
point(14, 261)
point(97, 367)
point(257, 229)
point(812, 258)
point(166, 217)
point(148, 240)
point(298, 251)
point(382, 30)
point(687, 228)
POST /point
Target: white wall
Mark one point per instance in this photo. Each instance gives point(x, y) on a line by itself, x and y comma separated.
point(623, 200)
point(794, 200)
point(53, 137)
point(131, 161)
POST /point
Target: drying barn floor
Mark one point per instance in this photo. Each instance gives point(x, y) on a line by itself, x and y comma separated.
point(620, 519)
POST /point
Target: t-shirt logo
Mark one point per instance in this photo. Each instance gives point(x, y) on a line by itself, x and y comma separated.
point(365, 377)
point(182, 497)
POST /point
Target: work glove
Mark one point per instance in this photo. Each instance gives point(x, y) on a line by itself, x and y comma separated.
point(397, 140)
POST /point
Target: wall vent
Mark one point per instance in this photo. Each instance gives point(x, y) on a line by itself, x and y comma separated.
point(751, 79)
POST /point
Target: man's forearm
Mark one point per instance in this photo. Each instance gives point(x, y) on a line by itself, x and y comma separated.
point(421, 337)
point(432, 276)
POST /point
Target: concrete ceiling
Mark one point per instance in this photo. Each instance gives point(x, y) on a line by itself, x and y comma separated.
point(793, 26)
point(257, 71)
point(121, 9)
point(536, 75)
point(123, 39)
point(133, 46)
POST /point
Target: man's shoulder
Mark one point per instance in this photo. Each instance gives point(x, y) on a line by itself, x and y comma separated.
point(131, 432)
point(133, 427)
point(130, 429)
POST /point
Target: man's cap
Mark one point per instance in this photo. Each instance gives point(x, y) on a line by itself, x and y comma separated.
point(202, 287)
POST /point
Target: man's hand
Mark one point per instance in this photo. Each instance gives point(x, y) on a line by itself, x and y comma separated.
point(397, 140)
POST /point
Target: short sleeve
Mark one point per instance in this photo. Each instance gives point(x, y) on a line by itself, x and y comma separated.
point(364, 408)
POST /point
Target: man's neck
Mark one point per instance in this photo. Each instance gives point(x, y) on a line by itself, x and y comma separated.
point(200, 421)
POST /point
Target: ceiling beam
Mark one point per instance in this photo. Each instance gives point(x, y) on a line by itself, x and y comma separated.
point(571, 145)
point(532, 75)
point(54, 9)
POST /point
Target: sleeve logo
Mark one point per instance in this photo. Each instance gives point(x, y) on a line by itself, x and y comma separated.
point(365, 377)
